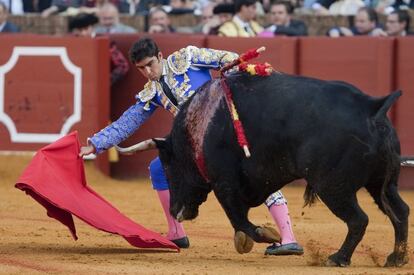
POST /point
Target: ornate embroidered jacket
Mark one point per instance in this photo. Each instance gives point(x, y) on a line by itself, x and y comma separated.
point(184, 71)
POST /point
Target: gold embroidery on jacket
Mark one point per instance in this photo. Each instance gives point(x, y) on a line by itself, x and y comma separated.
point(177, 64)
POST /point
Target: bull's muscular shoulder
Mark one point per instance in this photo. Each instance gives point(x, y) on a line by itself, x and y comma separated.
point(180, 61)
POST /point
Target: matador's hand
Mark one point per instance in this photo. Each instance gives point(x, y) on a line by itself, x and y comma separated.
point(86, 150)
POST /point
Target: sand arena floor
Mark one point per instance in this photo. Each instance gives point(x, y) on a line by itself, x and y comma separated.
point(32, 243)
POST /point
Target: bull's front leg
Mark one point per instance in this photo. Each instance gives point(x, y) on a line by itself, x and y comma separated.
point(236, 210)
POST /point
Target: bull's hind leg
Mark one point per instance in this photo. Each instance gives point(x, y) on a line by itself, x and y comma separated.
point(345, 206)
point(399, 256)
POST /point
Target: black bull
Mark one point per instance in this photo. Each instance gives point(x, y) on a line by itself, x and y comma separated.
point(329, 133)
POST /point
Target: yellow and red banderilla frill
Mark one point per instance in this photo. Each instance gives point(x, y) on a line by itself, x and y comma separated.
point(253, 69)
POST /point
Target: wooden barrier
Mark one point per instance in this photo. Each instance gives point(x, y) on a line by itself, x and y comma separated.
point(404, 74)
point(49, 87)
point(406, 178)
point(365, 62)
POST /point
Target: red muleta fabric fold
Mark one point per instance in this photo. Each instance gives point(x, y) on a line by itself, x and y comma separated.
point(56, 179)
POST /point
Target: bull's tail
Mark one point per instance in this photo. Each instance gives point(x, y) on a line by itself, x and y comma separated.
point(392, 167)
point(310, 196)
point(387, 150)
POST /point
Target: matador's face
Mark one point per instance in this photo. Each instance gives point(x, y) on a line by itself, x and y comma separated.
point(151, 67)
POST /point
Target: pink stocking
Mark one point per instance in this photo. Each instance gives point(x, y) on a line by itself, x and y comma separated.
point(280, 214)
point(175, 229)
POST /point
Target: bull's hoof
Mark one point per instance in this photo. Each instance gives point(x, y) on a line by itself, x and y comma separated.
point(242, 242)
point(336, 260)
point(269, 234)
point(396, 259)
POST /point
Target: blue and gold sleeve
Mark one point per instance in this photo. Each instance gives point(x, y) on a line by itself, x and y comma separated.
point(123, 127)
point(211, 57)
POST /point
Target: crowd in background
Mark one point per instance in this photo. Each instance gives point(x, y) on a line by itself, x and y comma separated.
point(220, 17)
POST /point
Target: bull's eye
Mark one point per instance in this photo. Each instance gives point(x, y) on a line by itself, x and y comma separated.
point(381, 127)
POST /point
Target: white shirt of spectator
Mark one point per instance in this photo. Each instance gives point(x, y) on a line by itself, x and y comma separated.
point(16, 6)
point(272, 28)
point(346, 7)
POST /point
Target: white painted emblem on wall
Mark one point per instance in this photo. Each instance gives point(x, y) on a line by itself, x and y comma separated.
point(69, 66)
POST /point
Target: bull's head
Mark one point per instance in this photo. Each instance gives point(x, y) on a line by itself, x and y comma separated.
point(188, 189)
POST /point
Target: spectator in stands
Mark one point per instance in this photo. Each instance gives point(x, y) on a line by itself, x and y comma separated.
point(58, 6)
point(13, 6)
point(320, 6)
point(109, 21)
point(334, 7)
point(83, 25)
point(266, 5)
point(73, 7)
point(128, 6)
point(242, 23)
point(36, 6)
point(224, 11)
point(386, 7)
point(41, 5)
point(6, 26)
point(223, 1)
point(346, 7)
point(158, 29)
point(365, 23)
point(158, 20)
point(398, 23)
point(181, 6)
point(93, 6)
point(282, 22)
point(144, 6)
point(209, 20)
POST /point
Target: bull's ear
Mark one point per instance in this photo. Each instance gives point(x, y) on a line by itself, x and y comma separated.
point(164, 148)
point(161, 143)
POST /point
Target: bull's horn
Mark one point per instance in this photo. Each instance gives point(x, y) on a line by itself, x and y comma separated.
point(180, 216)
point(142, 146)
point(261, 49)
point(407, 163)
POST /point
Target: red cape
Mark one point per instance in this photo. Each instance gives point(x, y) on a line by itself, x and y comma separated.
point(56, 179)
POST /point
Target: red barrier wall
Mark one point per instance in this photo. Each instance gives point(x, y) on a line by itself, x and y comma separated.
point(366, 62)
point(404, 74)
point(51, 86)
